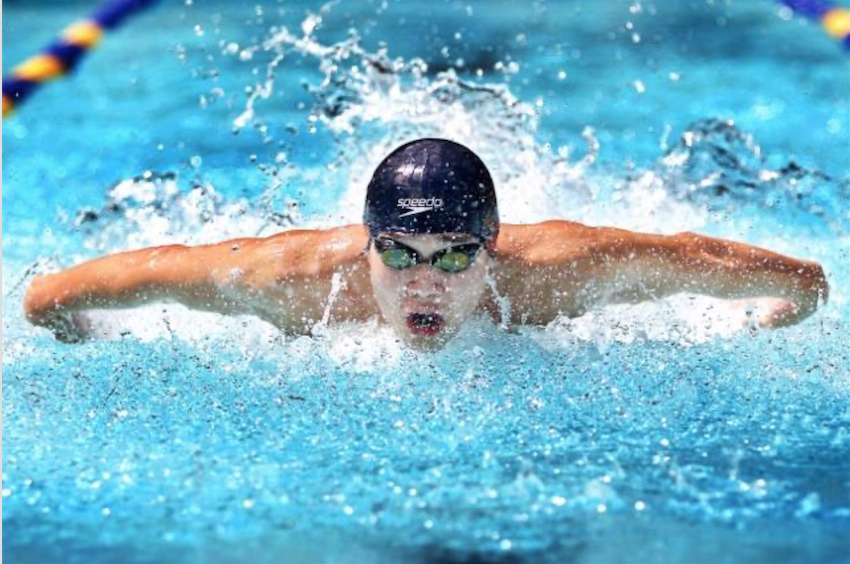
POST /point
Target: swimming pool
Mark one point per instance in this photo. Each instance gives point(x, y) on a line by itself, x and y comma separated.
point(653, 433)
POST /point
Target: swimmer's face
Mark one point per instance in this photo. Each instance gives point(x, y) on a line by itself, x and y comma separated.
point(423, 303)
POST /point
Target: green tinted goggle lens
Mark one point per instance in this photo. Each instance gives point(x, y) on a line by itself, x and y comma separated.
point(398, 258)
point(452, 262)
point(454, 259)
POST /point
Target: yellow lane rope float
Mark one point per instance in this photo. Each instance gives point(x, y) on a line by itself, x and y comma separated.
point(834, 20)
point(63, 55)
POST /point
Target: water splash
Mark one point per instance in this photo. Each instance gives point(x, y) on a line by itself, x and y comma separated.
point(156, 209)
point(715, 163)
point(373, 103)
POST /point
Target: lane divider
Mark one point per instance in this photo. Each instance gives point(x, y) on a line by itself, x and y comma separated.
point(63, 55)
point(834, 19)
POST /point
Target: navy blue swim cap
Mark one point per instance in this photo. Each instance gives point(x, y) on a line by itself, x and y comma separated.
point(432, 186)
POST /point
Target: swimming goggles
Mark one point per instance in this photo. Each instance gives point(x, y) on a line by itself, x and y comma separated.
point(451, 259)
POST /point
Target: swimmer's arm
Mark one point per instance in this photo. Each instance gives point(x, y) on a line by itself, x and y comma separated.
point(641, 266)
point(289, 270)
point(170, 273)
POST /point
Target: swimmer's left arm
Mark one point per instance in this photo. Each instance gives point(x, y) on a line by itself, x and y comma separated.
point(560, 267)
point(645, 266)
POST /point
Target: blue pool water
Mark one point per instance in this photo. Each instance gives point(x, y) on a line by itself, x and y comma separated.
point(652, 433)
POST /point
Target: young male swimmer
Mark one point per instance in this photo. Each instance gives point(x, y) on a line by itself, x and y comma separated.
point(421, 261)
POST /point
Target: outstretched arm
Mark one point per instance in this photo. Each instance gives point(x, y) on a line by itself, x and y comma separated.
point(577, 267)
point(693, 263)
point(284, 278)
point(171, 273)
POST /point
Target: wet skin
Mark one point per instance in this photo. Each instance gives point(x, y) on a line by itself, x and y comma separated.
point(298, 278)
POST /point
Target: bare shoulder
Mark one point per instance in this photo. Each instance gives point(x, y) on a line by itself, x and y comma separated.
point(294, 254)
point(287, 278)
point(558, 267)
point(552, 242)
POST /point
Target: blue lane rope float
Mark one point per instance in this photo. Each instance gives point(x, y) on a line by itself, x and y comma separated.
point(62, 56)
point(834, 20)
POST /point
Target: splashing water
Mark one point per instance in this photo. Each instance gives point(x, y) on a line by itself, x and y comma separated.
point(209, 437)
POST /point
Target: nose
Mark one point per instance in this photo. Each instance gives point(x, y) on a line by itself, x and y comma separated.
point(425, 282)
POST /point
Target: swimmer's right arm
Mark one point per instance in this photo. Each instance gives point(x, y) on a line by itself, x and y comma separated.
point(234, 277)
point(170, 273)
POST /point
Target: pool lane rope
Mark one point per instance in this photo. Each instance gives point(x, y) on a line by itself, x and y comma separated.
point(834, 20)
point(63, 55)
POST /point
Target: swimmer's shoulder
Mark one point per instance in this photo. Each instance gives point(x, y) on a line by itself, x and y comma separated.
point(311, 252)
point(544, 242)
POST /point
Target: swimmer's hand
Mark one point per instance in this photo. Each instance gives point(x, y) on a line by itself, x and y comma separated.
point(777, 312)
point(808, 290)
point(70, 327)
point(765, 313)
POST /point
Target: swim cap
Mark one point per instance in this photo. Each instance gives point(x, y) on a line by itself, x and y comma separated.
point(432, 186)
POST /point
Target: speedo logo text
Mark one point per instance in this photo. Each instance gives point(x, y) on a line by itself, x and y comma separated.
point(418, 205)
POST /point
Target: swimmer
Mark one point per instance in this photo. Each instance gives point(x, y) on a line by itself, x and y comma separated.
point(430, 254)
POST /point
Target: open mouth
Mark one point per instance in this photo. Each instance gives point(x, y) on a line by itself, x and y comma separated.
point(425, 324)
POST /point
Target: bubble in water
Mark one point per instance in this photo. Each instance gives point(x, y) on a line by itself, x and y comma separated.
point(196, 161)
point(199, 31)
